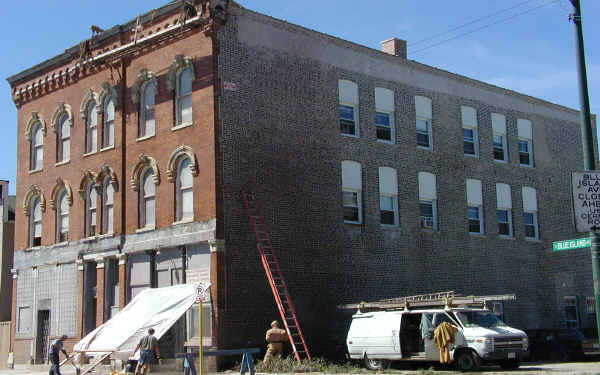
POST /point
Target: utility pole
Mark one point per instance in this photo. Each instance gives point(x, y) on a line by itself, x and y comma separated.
point(587, 137)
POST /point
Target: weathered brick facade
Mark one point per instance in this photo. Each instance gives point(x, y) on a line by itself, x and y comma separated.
point(265, 119)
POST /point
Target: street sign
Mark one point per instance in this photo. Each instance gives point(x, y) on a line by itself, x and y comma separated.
point(202, 294)
point(586, 200)
point(571, 244)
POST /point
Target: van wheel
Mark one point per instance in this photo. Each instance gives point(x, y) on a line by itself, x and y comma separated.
point(467, 361)
point(376, 364)
point(510, 364)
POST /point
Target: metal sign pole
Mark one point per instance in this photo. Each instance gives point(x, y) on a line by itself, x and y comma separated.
point(201, 344)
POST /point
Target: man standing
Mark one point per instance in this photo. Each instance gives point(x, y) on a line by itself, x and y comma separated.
point(53, 355)
point(148, 346)
point(275, 338)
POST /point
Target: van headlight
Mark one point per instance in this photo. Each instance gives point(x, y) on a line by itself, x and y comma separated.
point(487, 343)
point(525, 341)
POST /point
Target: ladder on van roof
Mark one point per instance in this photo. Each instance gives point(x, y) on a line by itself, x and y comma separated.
point(441, 299)
point(275, 278)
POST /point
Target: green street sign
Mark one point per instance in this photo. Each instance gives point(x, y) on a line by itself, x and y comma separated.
point(571, 244)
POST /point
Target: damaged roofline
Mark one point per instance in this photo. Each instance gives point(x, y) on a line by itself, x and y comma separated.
point(71, 52)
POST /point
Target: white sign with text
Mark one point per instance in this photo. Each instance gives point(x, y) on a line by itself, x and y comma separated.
point(586, 200)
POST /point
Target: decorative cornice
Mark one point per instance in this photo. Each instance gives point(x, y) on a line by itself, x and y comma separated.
point(61, 108)
point(33, 119)
point(87, 98)
point(107, 171)
point(88, 177)
point(34, 191)
point(106, 92)
point(144, 161)
point(180, 62)
point(143, 76)
point(181, 151)
point(60, 184)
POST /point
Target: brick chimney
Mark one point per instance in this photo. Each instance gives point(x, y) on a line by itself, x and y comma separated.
point(394, 46)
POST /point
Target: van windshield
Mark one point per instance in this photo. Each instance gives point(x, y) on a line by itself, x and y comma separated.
point(484, 319)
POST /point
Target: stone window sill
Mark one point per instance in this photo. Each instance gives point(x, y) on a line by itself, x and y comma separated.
point(140, 139)
point(184, 221)
point(385, 141)
point(107, 148)
point(90, 153)
point(424, 148)
point(182, 126)
point(146, 229)
point(505, 237)
point(64, 162)
point(350, 135)
point(61, 244)
point(477, 235)
point(34, 171)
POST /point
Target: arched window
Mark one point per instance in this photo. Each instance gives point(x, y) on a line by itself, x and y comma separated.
point(63, 136)
point(91, 128)
point(147, 124)
point(90, 210)
point(62, 217)
point(108, 131)
point(35, 222)
point(108, 193)
point(184, 96)
point(184, 186)
point(147, 199)
point(37, 147)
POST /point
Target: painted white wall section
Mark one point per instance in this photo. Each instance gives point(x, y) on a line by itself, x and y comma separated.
point(384, 99)
point(524, 128)
point(348, 91)
point(351, 175)
point(474, 194)
point(469, 117)
point(423, 107)
point(427, 188)
point(503, 196)
point(498, 123)
point(388, 181)
point(529, 199)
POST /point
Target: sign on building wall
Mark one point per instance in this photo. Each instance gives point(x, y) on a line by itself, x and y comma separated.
point(586, 200)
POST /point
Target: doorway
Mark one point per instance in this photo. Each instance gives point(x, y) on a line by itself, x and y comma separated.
point(43, 336)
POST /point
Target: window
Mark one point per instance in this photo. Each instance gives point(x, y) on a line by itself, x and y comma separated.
point(590, 305)
point(185, 192)
point(530, 219)
point(90, 210)
point(504, 222)
point(91, 128)
point(147, 121)
point(423, 122)
point(35, 223)
point(147, 199)
point(499, 137)
point(469, 130)
point(37, 147)
point(388, 196)
point(352, 191)
point(427, 200)
point(62, 217)
point(108, 193)
point(348, 107)
point(184, 97)
point(474, 206)
point(525, 142)
point(571, 312)
point(64, 139)
point(384, 114)
point(108, 132)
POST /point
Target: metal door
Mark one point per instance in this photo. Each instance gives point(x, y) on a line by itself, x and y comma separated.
point(43, 336)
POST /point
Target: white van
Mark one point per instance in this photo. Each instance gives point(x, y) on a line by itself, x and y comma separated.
point(379, 337)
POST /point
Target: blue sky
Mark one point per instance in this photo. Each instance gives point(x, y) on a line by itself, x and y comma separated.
point(529, 49)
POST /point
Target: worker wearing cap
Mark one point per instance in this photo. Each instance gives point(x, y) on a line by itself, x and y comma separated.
point(53, 355)
point(275, 338)
point(148, 346)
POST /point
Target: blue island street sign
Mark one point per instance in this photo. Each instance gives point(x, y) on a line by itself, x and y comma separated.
point(571, 244)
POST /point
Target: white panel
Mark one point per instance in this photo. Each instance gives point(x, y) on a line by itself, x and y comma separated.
point(186, 109)
point(503, 195)
point(388, 181)
point(423, 107)
point(498, 123)
point(149, 188)
point(524, 128)
point(65, 129)
point(185, 174)
point(474, 194)
point(149, 211)
point(427, 189)
point(348, 91)
point(187, 204)
point(351, 175)
point(469, 116)
point(529, 199)
point(185, 81)
point(384, 99)
point(66, 149)
point(109, 219)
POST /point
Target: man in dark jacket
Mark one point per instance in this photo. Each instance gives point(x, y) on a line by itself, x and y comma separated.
point(53, 355)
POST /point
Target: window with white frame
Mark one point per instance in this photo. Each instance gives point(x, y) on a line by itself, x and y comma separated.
point(108, 203)
point(90, 210)
point(571, 312)
point(427, 200)
point(388, 196)
point(423, 122)
point(525, 142)
point(62, 217)
point(499, 137)
point(504, 210)
point(474, 206)
point(64, 139)
point(590, 305)
point(530, 213)
point(108, 131)
point(469, 130)
point(147, 199)
point(37, 147)
point(91, 128)
point(184, 186)
point(147, 119)
point(35, 222)
point(352, 191)
point(348, 107)
point(384, 114)
point(184, 96)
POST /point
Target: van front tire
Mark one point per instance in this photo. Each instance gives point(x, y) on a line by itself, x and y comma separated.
point(467, 361)
point(376, 364)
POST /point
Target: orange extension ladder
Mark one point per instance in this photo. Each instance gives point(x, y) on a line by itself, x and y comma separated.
point(275, 278)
